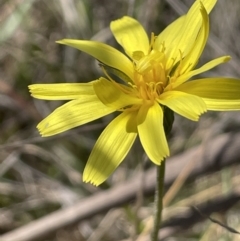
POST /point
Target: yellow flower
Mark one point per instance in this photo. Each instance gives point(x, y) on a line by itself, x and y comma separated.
point(154, 75)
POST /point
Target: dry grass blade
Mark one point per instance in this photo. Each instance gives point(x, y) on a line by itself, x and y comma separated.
point(41, 191)
point(14, 19)
point(123, 193)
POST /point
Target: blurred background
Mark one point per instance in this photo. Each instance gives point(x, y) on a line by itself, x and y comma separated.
point(39, 176)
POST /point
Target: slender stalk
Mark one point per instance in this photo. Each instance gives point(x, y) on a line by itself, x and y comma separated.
point(158, 200)
point(167, 124)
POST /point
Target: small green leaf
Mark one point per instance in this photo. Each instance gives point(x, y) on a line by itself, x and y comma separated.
point(116, 72)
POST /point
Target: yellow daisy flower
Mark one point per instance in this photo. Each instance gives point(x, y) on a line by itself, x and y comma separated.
point(154, 76)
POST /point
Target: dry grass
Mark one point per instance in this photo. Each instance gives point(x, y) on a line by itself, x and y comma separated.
point(40, 175)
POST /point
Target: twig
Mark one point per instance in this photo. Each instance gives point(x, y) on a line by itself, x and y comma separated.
point(223, 151)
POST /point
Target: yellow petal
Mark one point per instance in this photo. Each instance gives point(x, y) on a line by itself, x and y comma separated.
point(111, 94)
point(182, 33)
point(218, 93)
point(130, 34)
point(169, 35)
point(192, 25)
point(66, 91)
point(189, 106)
point(190, 61)
point(151, 132)
point(104, 53)
point(74, 113)
point(200, 70)
point(110, 149)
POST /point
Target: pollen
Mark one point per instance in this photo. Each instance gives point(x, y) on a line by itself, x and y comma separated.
point(150, 76)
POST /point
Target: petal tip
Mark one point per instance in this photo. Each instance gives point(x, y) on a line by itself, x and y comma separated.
point(62, 41)
point(160, 160)
point(227, 58)
point(90, 180)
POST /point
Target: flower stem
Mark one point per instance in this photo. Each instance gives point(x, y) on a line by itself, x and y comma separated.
point(158, 200)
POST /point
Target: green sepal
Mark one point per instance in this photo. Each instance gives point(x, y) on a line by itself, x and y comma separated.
point(168, 120)
point(115, 72)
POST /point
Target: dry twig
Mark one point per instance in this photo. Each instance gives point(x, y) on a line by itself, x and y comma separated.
point(223, 151)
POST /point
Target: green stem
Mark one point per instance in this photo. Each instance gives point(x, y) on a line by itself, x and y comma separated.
point(158, 202)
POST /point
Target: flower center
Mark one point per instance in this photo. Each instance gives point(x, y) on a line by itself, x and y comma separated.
point(150, 76)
